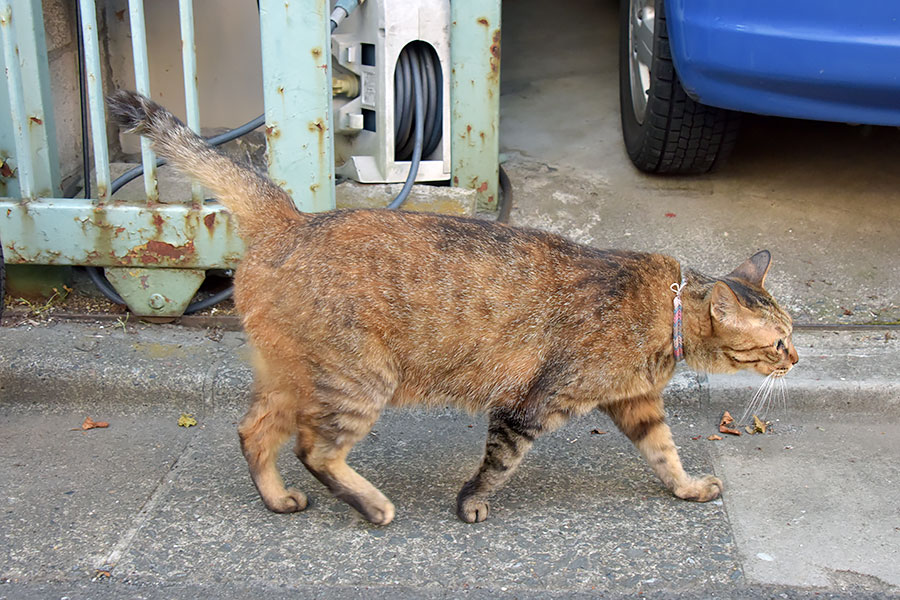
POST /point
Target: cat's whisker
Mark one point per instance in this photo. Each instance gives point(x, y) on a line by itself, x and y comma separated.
point(758, 404)
point(783, 390)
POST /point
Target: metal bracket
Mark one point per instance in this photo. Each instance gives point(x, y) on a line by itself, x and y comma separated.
point(156, 292)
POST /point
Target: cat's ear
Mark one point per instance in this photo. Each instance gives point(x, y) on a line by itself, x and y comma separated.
point(725, 307)
point(754, 268)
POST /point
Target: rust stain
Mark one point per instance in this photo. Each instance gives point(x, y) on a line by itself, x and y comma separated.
point(314, 187)
point(483, 187)
point(483, 21)
point(155, 252)
point(210, 222)
point(272, 132)
point(36, 120)
point(319, 127)
point(317, 53)
point(145, 283)
point(481, 135)
point(119, 230)
point(158, 222)
point(490, 199)
point(495, 55)
point(455, 180)
point(6, 170)
point(120, 15)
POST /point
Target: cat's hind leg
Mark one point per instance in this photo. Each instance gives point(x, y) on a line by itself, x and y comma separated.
point(642, 420)
point(509, 439)
point(325, 438)
point(262, 431)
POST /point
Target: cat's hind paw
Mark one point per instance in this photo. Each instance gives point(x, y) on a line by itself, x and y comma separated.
point(704, 489)
point(292, 501)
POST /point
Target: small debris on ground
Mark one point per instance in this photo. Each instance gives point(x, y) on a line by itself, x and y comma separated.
point(598, 432)
point(725, 424)
point(186, 420)
point(714, 438)
point(758, 425)
point(89, 423)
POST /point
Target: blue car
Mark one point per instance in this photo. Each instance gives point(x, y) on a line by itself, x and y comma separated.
point(686, 67)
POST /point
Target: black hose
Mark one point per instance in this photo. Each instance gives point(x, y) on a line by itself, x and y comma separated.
point(422, 55)
point(402, 141)
point(506, 197)
point(418, 137)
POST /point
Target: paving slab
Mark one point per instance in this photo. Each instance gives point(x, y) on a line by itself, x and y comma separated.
point(817, 502)
point(69, 496)
point(583, 512)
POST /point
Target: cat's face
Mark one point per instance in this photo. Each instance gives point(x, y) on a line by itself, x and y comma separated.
point(751, 330)
point(758, 338)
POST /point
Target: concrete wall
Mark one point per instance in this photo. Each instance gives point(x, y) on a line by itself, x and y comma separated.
point(228, 63)
point(59, 27)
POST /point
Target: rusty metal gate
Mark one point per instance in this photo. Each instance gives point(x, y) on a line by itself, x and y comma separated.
point(154, 253)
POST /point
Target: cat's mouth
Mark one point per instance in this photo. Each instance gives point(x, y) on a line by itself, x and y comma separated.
point(781, 372)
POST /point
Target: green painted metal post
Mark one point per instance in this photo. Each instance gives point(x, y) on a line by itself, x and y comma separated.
point(27, 99)
point(475, 97)
point(296, 53)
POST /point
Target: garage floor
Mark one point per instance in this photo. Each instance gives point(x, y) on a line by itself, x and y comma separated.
point(823, 197)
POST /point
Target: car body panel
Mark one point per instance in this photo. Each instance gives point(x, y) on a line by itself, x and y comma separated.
point(830, 60)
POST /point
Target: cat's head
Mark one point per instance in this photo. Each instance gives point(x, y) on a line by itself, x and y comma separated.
point(749, 329)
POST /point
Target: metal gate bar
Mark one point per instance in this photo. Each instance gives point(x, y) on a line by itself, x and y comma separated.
point(95, 97)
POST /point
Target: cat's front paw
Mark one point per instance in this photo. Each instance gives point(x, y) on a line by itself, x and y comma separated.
point(472, 510)
point(703, 489)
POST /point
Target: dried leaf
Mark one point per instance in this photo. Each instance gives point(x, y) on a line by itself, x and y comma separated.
point(696, 437)
point(749, 430)
point(89, 423)
point(186, 420)
point(714, 438)
point(598, 432)
point(725, 424)
point(758, 425)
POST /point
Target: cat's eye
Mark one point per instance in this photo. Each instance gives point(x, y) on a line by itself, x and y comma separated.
point(779, 345)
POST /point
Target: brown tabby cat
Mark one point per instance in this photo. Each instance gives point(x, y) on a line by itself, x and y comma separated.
point(352, 311)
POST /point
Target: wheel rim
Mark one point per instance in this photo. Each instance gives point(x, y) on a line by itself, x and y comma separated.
point(641, 19)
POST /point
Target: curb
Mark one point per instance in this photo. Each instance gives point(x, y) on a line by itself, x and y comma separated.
point(98, 363)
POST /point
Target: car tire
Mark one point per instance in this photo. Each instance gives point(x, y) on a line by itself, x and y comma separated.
point(665, 131)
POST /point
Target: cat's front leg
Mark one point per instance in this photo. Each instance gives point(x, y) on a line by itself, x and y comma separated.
point(642, 419)
point(509, 439)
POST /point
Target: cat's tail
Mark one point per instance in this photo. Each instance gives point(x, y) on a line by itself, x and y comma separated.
point(257, 202)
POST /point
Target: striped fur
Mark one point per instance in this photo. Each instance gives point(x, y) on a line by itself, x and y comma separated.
point(352, 311)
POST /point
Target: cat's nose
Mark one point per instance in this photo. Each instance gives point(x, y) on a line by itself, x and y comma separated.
point(792, 354)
